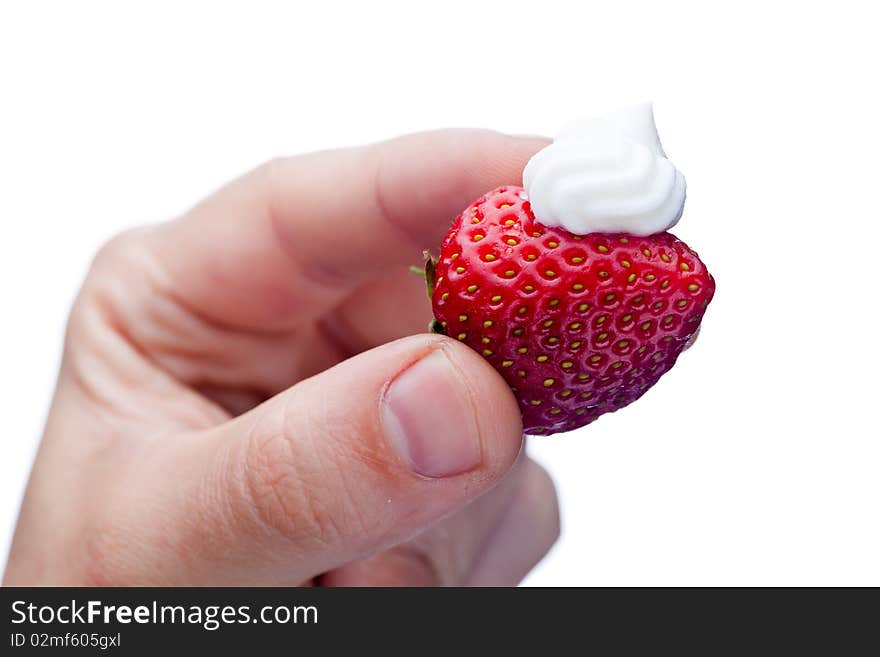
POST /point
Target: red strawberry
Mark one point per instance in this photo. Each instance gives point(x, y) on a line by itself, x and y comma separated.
point(577, 325)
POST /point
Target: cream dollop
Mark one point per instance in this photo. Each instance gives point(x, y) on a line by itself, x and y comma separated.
point(606, 175)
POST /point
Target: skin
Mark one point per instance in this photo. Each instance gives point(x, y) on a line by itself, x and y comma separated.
point(221, 413)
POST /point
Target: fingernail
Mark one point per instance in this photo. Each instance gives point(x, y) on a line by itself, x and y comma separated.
point(429, 420)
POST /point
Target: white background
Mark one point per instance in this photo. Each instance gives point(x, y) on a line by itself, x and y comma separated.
point(755, 461)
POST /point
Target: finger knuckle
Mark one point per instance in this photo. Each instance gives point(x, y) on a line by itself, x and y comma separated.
point(288, 493)
point(113, 260)
point(101, 313)
point(120, 248)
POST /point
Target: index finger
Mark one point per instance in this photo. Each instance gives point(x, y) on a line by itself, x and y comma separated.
point(292, 238)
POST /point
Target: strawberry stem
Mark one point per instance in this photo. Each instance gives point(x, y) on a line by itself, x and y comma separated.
point(430, 272)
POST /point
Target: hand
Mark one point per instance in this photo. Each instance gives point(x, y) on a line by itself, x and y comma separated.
point(237, 402)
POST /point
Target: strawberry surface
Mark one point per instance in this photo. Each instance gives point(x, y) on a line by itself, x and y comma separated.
point(578, 326)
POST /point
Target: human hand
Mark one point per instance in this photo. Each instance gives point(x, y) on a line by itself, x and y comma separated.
point(238, 405)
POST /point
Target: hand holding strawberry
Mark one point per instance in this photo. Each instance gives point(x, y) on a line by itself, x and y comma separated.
point(248, 396)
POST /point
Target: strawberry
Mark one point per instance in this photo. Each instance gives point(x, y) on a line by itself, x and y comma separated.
point(578, 326)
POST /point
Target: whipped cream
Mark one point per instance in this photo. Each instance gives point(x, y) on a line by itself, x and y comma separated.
point(606, 175)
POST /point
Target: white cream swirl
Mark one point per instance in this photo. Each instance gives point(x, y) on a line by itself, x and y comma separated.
point(606, 175)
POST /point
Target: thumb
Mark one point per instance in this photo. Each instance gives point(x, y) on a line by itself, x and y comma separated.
point(356, 459)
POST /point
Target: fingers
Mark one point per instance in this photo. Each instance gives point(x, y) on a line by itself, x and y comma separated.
point(393, 306)
point(343, 465)
point(292, 238)
point(494, 541)
point(525, 534)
